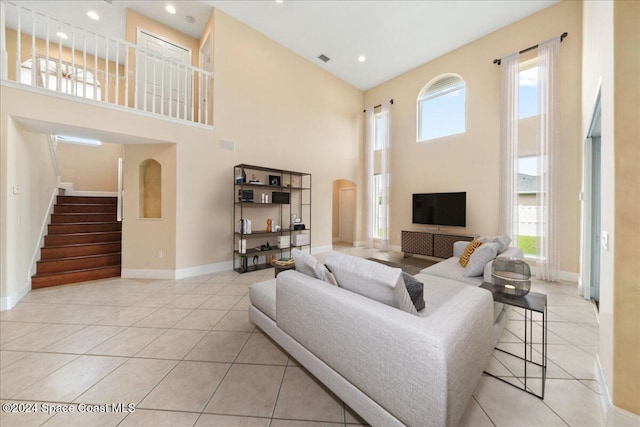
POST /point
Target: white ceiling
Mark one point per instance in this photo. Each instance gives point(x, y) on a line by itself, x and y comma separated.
point(395, 36)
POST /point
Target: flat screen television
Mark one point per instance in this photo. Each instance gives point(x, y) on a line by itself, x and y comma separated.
point(440, 209)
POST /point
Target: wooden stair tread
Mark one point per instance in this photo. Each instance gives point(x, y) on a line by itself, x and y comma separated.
point(84, 242)
point(60, 273)
point(79, 257)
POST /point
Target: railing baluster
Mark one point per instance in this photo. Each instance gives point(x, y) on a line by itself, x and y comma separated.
point(84, 64)
point(126, 76)
point(74, 80)
point(153, 103)
point(95, 70)
point(59, 73)
point(46, 63)
point(106, 69)
point(170, 90)
point(19, 46)
point(144, 88)
point(4, 55)
point(186, 89)
point(35, 67)
point(162, 93)
point(117, 73)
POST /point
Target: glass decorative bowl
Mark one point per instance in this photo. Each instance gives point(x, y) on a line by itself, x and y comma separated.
point(511, 276)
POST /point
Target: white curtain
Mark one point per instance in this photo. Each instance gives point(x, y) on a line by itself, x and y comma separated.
point(385, 140)
point(370, 135)
point(548, 141)
point(509, 119)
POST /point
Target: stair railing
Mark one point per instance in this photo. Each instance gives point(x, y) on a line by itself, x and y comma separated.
point(120, 192)
point(68, 59)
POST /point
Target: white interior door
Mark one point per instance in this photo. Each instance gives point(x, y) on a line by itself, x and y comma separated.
point(164, 87)
point(347, 214)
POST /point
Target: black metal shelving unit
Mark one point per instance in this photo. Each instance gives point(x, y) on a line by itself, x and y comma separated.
point(252, 186)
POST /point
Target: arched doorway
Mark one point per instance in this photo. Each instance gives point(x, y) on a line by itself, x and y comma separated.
point(344, 211)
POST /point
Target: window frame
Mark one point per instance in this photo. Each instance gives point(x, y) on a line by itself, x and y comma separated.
point(420, 101)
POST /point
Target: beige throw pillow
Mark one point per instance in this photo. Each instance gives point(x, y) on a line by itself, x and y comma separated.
point(468, 251)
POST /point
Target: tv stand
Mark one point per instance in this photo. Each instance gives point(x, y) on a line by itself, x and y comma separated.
point(427, 243)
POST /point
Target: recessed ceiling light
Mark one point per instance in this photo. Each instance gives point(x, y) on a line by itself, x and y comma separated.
point(62, 35)
point(279, 1)
point(169, 8)
point(93, 15)
point(362, 58)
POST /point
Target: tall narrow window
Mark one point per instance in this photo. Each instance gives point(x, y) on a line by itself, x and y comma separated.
point(379, 208)
point(528, 173)
point(441, 108)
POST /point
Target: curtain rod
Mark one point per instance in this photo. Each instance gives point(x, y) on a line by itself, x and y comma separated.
point(562, 36)
point(379, 105)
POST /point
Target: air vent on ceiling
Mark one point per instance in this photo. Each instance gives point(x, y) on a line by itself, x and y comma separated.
point(324, 58)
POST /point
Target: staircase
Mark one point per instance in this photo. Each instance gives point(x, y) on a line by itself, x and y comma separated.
point(83, 242)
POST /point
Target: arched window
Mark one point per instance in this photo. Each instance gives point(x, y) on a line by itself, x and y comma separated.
point(441, 108)
point(61, 77)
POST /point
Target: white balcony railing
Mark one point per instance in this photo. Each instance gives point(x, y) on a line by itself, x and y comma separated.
point(42, 51)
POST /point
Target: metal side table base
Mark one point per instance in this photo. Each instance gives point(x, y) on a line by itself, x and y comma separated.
point(531, 302)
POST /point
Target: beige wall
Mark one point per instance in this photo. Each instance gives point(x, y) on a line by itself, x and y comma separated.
point(146, 236)
point(281, 111)
point(28, 186)
point(626, 317)
point(469, 161)
point(88, 167)
point(612, 62)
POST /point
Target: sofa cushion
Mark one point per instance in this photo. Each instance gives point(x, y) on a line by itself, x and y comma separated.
point(450, 268)
point(263, 296)
point(307, 264)
point(371, 279)
point(468, 251)
point(480, 257)
point(415, 289)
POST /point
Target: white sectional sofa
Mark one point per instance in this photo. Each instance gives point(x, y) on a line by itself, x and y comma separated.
point(392, 364)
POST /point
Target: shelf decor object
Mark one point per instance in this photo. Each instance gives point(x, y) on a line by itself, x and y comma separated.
point(511, 276)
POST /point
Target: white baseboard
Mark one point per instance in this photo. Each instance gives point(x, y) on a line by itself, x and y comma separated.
point(203, 269)
point(8, 302)
point(182, 273)
point(565, 276)
point(359, 243)
point(613, 416)
point(394, 248)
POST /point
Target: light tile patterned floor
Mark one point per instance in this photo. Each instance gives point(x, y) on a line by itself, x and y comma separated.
point(185, 353)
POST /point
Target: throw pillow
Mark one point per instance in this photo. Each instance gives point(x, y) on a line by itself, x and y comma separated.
point(480, 257)
point(371, 279)
point(502, 241)
point(468, 251)
point(307, 264)
point(415, 289)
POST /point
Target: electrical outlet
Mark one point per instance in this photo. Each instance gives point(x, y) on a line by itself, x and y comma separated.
point(160, 254)
point(604, 240)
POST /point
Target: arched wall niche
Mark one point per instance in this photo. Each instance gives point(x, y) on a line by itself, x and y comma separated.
point(150, 189)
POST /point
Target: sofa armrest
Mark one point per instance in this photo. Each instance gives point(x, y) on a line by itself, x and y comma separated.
point(424, 371)
point(459, 247)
